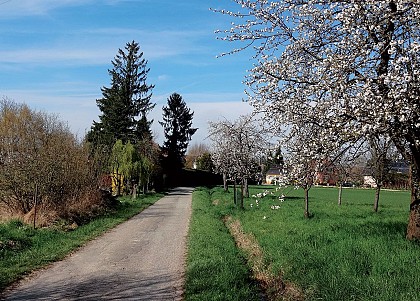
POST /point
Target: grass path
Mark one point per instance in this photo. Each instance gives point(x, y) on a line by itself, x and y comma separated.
point(216, 269)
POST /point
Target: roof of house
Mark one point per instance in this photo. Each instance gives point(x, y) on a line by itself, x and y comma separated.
point(274, 171)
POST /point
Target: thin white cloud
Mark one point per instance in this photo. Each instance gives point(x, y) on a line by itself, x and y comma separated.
point(211, 107)
point(99, 46)
point(162, 77)
point(79, 110)
point(21, 8)
point(76, 56)
point(54, 55)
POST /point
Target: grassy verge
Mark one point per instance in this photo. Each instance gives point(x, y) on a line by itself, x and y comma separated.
point(215, 268)
point(345, 252)
point(23, 249)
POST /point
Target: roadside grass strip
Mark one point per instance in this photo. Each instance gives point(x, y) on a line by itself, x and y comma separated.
point(216, 269)
point(24, 249)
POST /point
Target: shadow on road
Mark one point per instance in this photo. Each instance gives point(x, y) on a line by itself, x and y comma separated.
point(180, 191)
point(113, 287)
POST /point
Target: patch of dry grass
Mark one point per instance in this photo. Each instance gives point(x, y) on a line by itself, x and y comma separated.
point(5, 214)
point(273, 285)
point(76, 211)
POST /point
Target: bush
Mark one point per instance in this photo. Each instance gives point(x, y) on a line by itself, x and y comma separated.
point(41, 162)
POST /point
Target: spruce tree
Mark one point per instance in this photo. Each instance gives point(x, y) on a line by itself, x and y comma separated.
point(125, 104)
point(177, 125)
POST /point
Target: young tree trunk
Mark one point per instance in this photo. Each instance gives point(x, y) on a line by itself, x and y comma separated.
point(246, 189)
point(118, 183)
point(225, 185)
point(413, 228)
point(340, 193)
point(242, 193)
point(134, 195)
point(377, 193)
point(307, 214)
point(35, 204)
point(235, 201)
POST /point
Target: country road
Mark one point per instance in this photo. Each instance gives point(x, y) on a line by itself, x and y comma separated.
point(141, 259)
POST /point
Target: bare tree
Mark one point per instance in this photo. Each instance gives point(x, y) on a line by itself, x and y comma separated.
point(380, 151)
point(41, 161)
point(194, 152)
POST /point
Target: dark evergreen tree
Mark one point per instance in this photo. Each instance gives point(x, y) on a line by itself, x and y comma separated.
point(177, 125)
point(125, 104)
point(277, 159)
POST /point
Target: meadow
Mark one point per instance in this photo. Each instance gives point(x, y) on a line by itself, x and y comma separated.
point(345, 252)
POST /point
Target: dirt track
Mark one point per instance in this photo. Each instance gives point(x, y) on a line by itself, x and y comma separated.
point(142, 259)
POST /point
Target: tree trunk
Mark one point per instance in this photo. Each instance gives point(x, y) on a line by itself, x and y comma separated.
point(225, 185)
point(413, 228)
point(307, 214)
point(234, 192)
point(246, 189)
point(134, 196)
point(118, 191)
point(119, 184)
point(242, 193)
point(377, 193)
point(35, 204)
point(340, 193)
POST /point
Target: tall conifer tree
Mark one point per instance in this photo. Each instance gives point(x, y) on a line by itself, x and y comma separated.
point(125, 104)
point(177, 125)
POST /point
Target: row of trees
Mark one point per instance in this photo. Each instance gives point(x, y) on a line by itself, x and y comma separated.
point(241, 151)
point(335, 75)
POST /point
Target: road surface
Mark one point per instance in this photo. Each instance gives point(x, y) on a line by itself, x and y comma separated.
point(141, 259)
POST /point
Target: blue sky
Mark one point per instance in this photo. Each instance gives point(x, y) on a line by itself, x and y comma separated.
point(55, 56)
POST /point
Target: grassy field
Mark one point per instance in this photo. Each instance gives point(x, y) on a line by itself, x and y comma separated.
point(345, 252)
point(23, 249)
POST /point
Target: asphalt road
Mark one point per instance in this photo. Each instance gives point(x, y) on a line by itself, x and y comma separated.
point(141, 259)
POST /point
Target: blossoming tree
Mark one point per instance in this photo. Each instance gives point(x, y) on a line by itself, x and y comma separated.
point(236, 148)
point(351, 67)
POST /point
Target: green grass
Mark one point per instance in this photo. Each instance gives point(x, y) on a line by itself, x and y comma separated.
point(345, 252)
point(215, 268)
point(23, 249)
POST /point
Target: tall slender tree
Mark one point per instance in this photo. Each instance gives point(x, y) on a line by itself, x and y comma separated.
point(125, 104)
point(177, 125)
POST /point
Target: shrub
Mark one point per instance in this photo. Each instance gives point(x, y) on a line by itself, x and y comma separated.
point(41, 161)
